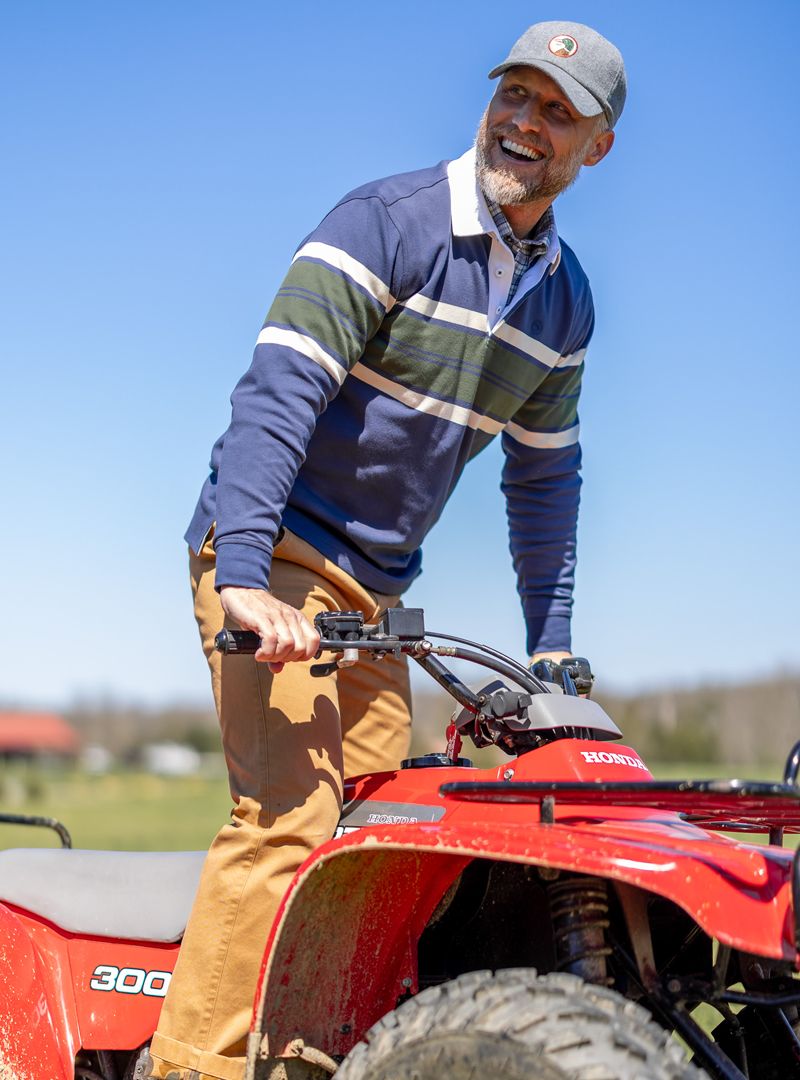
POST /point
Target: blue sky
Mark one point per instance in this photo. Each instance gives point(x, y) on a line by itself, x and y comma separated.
point(161, 163)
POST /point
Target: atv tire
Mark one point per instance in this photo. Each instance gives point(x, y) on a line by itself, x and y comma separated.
point(517, 1025)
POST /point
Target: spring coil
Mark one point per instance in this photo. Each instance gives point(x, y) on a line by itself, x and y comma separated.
point(579, 907)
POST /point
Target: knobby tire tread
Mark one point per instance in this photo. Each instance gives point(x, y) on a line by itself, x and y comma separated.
point(556, 1025)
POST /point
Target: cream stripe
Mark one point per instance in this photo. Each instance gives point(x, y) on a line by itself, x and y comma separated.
point(340, 260)
point(544, 440)
point(445, 410)
point(434, 309)
point(475, 320)
point(308, 346)
point(572, 359)
point(526, 344)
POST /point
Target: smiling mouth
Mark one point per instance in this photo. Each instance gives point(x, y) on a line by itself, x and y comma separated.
point(517, 152)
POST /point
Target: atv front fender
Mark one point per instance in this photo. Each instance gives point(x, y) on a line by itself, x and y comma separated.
point(343, 947)
point(28, 1043)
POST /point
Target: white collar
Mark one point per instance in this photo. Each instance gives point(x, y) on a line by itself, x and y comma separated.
point(468, 210)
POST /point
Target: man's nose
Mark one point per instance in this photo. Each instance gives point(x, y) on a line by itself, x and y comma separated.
point(529, 116)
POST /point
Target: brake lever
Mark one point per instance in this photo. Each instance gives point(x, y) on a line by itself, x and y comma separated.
point(319, 671)
point(347, 659)
point(566, 681)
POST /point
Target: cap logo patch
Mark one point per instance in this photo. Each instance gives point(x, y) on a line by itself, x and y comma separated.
point(563, 45)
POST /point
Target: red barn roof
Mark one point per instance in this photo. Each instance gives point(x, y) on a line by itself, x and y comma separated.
point(36, 733)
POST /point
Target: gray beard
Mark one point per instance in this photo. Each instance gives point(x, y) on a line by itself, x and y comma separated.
point(502, 186)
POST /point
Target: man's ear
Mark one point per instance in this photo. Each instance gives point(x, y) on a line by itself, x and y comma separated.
point(602, 145)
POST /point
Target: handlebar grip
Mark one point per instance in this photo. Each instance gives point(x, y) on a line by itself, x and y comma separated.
point(237, 642)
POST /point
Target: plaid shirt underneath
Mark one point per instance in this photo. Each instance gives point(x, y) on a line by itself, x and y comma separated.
point(527, 250)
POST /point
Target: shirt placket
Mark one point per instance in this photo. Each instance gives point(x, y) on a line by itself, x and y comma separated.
point(501, 273)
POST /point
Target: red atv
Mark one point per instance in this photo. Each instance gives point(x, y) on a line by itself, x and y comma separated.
point(559, 917)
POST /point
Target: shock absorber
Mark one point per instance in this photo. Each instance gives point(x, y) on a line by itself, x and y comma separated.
point(579, 906)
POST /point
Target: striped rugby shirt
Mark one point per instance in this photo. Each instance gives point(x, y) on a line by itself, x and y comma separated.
point(388, 359)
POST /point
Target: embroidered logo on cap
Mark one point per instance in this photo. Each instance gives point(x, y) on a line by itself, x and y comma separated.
point(563, 45)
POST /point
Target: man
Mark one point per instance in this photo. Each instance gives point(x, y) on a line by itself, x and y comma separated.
point(426, 314)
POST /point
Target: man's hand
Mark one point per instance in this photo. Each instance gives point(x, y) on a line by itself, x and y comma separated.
point(556, 657)
point(286, 634)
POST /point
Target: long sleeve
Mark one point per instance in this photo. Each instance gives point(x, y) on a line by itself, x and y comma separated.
point(334, 298)
point(542, 489)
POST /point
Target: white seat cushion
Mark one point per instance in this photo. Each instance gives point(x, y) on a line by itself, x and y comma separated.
point(142, 895)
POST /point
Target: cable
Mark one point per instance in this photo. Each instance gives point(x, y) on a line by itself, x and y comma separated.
point(492, 652)
point(528, 680)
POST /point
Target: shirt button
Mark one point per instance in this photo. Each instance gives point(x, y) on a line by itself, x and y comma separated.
point(498, 273)
point(497, 310)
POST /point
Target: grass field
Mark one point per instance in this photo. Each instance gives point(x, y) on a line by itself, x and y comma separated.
point(119, 811)
point(679, 771)
point(139, 812)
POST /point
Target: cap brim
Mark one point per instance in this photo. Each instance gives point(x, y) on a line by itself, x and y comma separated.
point(586, 103)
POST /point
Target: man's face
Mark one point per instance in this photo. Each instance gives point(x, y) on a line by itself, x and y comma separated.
point(532, 142)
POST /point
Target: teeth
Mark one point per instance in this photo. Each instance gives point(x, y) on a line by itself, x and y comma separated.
point(534, 155)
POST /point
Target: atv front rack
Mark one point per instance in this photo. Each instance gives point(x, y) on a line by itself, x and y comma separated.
point(738, 805)
point(716, 803)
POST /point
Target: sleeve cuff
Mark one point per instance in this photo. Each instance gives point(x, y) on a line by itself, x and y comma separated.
point(242, 565)
point(549, 633)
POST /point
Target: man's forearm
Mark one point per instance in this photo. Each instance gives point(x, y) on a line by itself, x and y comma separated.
point(542, 516)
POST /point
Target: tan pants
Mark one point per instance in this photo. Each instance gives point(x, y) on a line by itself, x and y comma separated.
point(289, 740)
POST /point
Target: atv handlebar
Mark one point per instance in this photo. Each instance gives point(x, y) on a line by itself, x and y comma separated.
point(402, 630)
point(242, 642)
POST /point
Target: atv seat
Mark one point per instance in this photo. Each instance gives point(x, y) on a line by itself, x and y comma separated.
point(143, 896)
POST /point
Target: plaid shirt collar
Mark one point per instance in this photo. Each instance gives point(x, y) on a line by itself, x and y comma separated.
point(528, 249)
point(538, 239)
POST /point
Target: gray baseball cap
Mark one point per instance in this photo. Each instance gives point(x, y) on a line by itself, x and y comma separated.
point(587, 67)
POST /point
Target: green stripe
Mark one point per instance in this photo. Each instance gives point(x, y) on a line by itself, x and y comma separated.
point(480, 441)
point(401, 351)
point(311, 314)
point(564, 385)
